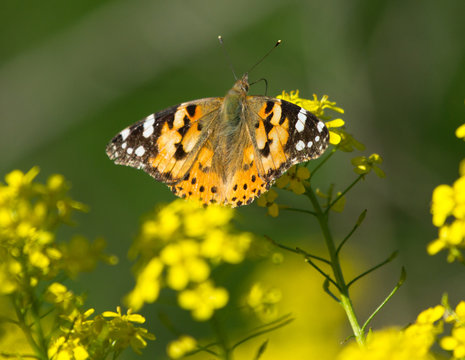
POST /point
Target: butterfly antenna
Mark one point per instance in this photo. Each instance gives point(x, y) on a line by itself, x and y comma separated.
point(263, 58)
point(226, 55)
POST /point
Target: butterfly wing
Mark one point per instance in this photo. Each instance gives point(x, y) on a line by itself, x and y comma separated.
point(284, 134)
point(280, 134)
point(166, 144)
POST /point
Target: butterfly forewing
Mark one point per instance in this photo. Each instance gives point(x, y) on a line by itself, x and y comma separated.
point(285, 134)
point(165, 144)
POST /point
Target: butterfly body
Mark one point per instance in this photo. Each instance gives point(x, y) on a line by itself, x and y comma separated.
point(222, 150)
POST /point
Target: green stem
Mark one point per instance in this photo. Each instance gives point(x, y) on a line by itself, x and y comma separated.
point(336, 266)
point(360, 177)
point(222, 339)
point(22, 323)
point(333, 150)
point(36, 318)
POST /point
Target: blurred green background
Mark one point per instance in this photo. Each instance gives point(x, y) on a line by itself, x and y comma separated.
point(75, 73)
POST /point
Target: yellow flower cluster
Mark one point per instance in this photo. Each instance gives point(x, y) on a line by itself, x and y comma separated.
point(110, 332)
point(364, 165)
point(413, 343)
point(178, 246)
point(295, 180)
point(53, 321)
point(456, 342)
point(178, 348)
point(268, 200)
point(30, 213)
point(263, 302)
point(448, 211)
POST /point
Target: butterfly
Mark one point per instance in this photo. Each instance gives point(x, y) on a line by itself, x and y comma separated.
point(226, 150)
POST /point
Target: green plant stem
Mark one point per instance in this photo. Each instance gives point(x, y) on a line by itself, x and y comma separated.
point(336, 267)
point(222, 339)
point(360, 177)
point(333, 150)
point(22, 322)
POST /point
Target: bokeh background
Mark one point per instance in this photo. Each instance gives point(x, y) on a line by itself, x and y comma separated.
point(74, 73)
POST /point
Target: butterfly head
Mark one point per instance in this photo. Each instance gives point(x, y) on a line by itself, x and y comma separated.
point(242, 85)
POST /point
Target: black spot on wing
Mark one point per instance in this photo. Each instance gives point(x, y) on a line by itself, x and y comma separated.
point(289, 110)
point(180, 153)
point(191, 110)
point(268, 125)
point(269, 106)
point(170, 120)
point(266, 149)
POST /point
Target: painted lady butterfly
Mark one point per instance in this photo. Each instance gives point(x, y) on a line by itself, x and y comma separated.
point(222, 150)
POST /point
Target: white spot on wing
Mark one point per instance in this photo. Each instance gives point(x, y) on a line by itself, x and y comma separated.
point(129, 151)
point(317, 138)
point(149, 121)
point(309, 144)
point(301, 119)
point(147, 132)
point(148, 126)
point(140, 151)
point(320, 126)
point(124, 134)
point(124, 145)
point(300, 145)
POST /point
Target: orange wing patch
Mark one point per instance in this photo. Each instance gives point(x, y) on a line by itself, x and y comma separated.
point(246, 184)
point(271, 134)
point(201, 182)
point(177, 139)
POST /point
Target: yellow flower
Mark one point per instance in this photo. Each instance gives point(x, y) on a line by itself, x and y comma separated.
point(448, 201)
point(348, 143)
point(363, 164)
point(455, 343)
point(124, 333)
point(65, 348)
point(264, 301)
point(148, 285)
point(203, 300)
point(184, 264)
point(431, 315)
point(17, 180)
point(199, 223)
point(9, 271)
point(318, 107)
point(267, 200)
point(335, 134)
point(382, 345)
point(58, 294)
point(460, 132)
point(450, 236)
point(230, 248)
point(413, 343)
point(458, 316)
point(179, 347)
point(442, 204)
point(183, 253)
point(294, 178)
